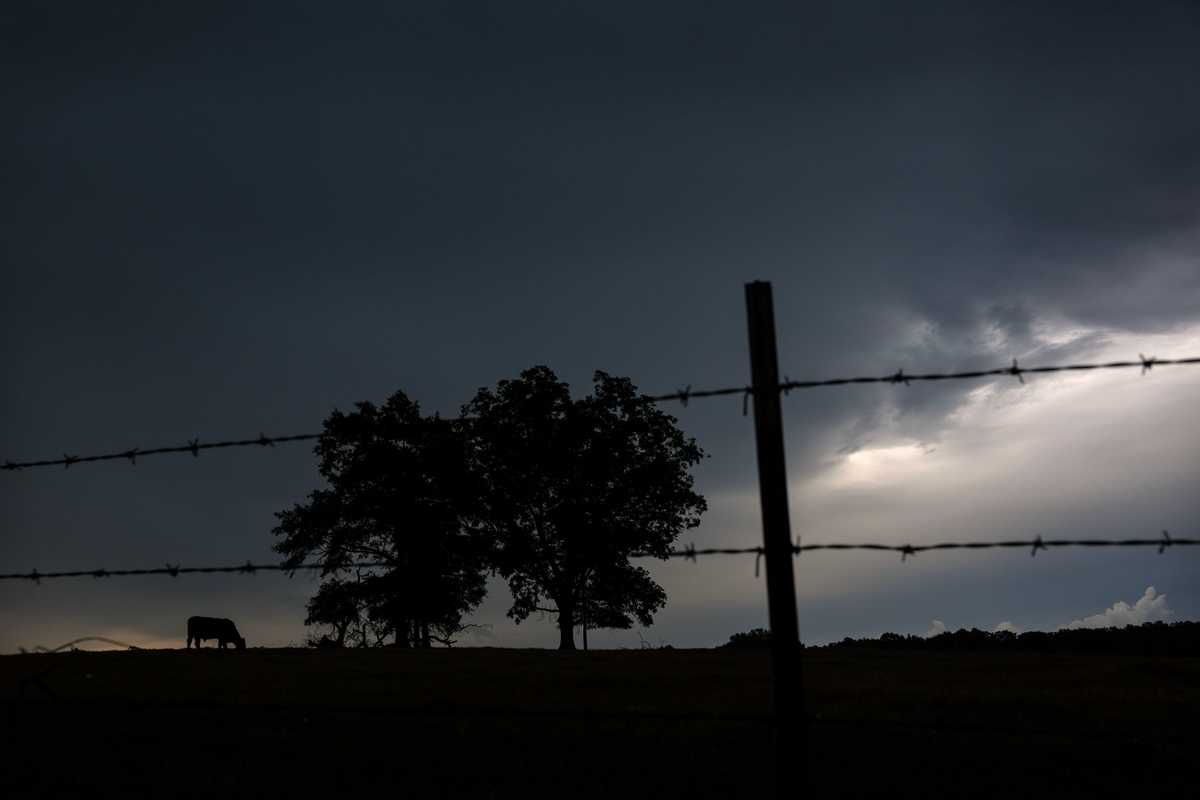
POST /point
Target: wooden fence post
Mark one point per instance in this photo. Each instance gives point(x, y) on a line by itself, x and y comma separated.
point(787, 688)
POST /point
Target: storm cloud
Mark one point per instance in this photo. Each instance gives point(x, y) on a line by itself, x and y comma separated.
point(226, 220)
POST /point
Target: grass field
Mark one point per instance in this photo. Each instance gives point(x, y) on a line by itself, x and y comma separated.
point(522, 723)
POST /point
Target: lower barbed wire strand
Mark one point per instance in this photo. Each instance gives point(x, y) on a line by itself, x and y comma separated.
point(689, 553)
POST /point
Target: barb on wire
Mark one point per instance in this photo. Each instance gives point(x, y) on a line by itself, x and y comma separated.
point(686, 394)
point(194, 446)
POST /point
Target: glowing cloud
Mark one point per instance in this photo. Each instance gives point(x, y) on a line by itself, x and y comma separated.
point(1151, 607)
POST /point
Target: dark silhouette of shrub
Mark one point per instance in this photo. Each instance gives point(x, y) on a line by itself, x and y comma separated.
point(753, 639)
point(1176, 639)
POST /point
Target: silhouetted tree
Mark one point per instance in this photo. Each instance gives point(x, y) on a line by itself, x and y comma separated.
point(399, 489)
point(753, 639)
point(572, 488)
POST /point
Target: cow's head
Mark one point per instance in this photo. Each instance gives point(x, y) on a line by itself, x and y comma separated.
point(241, 642)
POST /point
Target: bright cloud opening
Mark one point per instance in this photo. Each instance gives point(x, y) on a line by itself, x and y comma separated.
point(880, 465)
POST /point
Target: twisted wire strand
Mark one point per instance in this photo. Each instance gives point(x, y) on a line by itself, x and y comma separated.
point(689, 553)
point(194, 447)
point(174, 570)
point(1033, 545)
point(683, 396)
point(1145, 363)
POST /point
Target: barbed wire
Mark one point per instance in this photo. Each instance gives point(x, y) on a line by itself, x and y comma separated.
point(194, 446)
point(683, 396)
point(1016, 371)
point(175, 570)
point(1145, 363)
point(690, 553)
point(906, 550)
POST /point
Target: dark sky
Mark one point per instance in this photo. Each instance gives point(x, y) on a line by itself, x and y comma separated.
point(220, 221)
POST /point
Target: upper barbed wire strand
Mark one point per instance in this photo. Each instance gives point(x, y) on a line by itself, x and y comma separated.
point(194, 446)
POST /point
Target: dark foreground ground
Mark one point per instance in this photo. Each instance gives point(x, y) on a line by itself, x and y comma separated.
point(521, 723)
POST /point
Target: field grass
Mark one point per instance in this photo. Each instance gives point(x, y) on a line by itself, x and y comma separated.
point(522, 723)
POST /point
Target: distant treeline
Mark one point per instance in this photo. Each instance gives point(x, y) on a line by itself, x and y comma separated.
point(1150, 639)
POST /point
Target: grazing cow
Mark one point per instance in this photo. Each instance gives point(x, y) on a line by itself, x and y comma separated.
point(223, 630)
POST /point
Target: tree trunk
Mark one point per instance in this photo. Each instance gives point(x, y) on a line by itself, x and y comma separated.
point(403, 638)
point(566, 627)
point(583, 612)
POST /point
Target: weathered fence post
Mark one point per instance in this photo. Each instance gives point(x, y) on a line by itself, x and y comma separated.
point(787, 697)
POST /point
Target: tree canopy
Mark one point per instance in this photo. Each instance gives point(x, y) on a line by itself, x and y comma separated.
point(400, 492)
point(571, 489)
point(553, 493)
